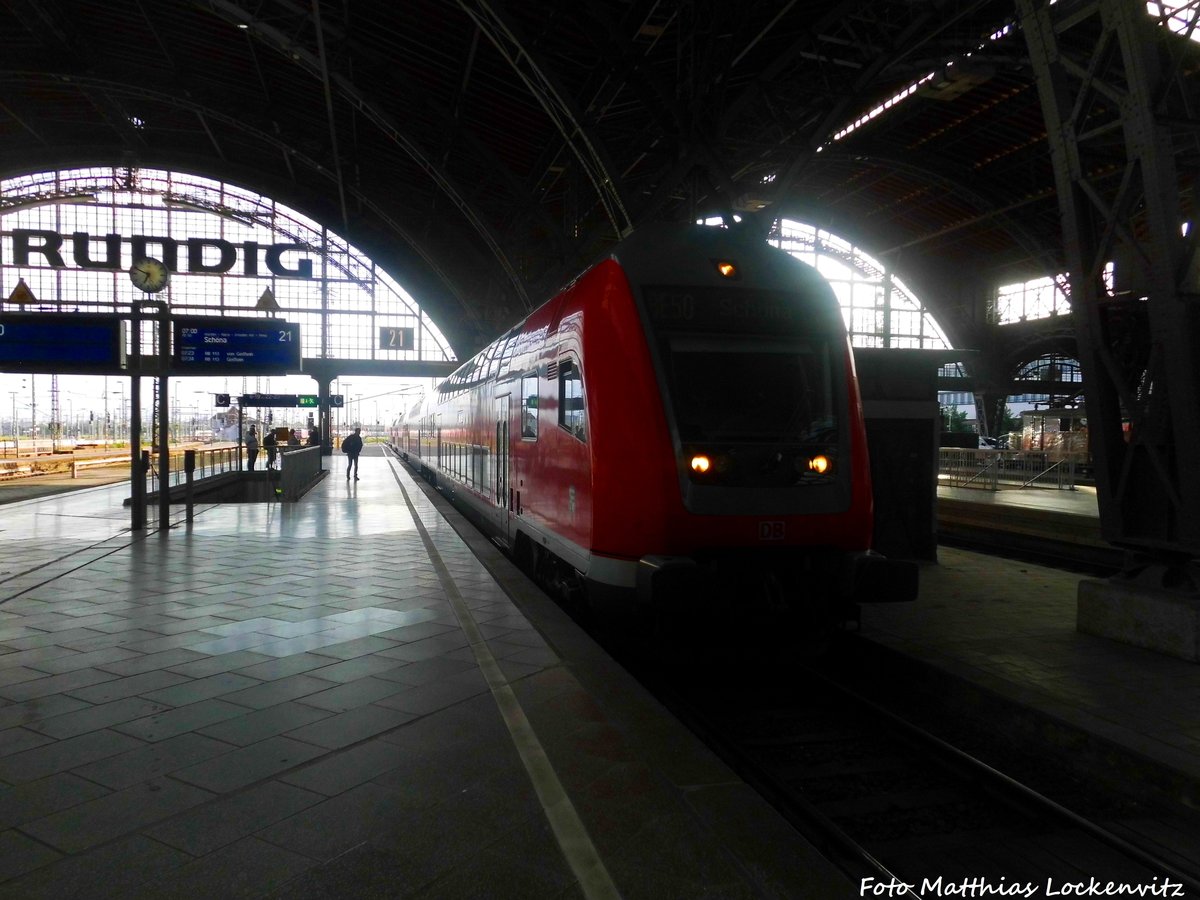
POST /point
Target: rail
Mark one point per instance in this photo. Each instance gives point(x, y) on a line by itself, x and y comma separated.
point(28, 465)
point(97, 462)
point(863, 781)
point(210, 461)
point(996, 470)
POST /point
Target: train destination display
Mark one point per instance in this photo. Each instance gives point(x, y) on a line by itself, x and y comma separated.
point(213, 344)
point(80, 343)
point(721, 310)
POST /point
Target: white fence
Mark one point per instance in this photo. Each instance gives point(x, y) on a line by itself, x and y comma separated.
point(995, 470)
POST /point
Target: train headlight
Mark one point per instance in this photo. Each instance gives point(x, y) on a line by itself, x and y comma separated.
point(701, 463)
point(819, 464)
point(727, 268)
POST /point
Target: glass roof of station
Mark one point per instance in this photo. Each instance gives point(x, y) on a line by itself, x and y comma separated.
point(229, 245)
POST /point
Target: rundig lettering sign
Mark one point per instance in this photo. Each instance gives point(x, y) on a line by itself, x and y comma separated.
point(210, 256)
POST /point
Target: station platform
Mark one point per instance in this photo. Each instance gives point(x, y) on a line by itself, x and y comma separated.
point(997, 638)
point(357, 695)
point(1079, 502)
point(341, 697)
point(1057, 527)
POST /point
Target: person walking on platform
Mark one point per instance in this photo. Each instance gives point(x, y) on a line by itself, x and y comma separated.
point(270, 445)
point(251, 447)
point(352, 446)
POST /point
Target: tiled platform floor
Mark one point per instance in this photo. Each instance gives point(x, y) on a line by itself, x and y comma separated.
point(326, 700)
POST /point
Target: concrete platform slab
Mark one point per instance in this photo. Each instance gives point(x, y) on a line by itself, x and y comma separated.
point(338, 698)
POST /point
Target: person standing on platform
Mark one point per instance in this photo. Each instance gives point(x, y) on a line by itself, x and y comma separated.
point(252, 447)
point(352, 446)
point(294, 438)
point(270, 445)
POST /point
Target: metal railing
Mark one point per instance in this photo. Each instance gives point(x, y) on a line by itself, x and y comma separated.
point(298, 467)
point(213, 461)
point(216, 461)
point(996, 470)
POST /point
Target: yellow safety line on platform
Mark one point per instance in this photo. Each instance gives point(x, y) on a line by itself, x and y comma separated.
point(569, 830)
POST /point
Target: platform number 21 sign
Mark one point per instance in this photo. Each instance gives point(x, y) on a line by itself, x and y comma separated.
point(396, 338)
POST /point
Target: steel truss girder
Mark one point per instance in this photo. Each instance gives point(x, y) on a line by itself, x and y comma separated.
point(1137, 343)
point(519, 194)
point(590, 154)
point(357, 101)
point(287, 150)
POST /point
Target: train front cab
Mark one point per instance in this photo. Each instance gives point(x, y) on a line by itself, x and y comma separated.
point(746, 505)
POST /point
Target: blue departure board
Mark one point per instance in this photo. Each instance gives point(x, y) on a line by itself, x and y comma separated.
point(79, 343)
point(214, 344)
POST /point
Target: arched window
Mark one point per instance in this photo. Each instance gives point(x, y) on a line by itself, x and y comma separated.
point(879, 310)
point(1038, 298)
point(71, 235)
point(1051, 367)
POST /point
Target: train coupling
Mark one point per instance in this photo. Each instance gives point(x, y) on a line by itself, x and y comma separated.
point(873, 578)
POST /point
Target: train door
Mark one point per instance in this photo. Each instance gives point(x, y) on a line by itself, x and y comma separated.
point(503, 503)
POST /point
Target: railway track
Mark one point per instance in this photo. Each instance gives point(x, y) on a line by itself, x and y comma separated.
point(905, 813)
point(1042, 536)
point(1099, 562)
point(902, 812)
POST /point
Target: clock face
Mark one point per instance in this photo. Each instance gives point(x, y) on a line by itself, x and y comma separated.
point(150, 275)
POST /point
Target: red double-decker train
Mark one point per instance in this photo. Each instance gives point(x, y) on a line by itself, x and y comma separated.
point(679, 429)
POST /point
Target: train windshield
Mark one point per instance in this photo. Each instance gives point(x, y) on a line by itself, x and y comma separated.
point(751, 389)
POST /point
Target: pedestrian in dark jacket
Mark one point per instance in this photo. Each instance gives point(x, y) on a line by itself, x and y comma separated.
point(352, 446)
point(269, 444)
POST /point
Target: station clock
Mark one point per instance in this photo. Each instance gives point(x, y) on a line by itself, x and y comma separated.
point(149, 275)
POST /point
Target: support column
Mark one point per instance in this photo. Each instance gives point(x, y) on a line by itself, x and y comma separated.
point(137, 476)
point(1137, 349)
point(992, 375)
point(324, 422)
point(164, 420)
point(1110, 102)
point(989, 411)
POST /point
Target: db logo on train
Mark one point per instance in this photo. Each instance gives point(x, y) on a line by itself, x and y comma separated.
point(771, 531)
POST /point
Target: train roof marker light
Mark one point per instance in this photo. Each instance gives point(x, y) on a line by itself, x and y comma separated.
point(727, 268)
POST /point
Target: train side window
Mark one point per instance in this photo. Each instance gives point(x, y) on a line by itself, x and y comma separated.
point(570, 399)
point(529, 407)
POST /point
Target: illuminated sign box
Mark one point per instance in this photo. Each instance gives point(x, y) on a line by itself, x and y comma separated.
point(275, 401)
point(206, 345)
point(78, 343)
point(286, 400)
